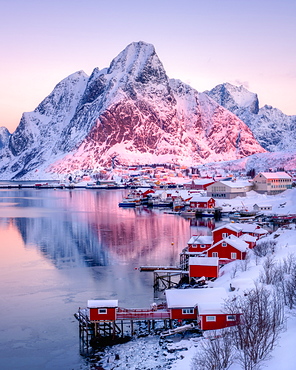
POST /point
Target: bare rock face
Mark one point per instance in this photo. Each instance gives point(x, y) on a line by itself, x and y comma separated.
point(132, 111)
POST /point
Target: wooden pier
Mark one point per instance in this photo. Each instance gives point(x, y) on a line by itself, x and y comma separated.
point(128, 323)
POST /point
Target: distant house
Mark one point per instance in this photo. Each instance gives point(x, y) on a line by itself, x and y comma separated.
point(204, 305)
point(272, 182)
point(229, 248)
point(203, 266)
point(202, 202)
point(229, 189)
point(262, 207)
point(199, 184)
point(102, 310)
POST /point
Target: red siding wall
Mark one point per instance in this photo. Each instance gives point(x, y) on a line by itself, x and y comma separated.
point(94, 314)
point(221, 322)
point(217, 234)
point(225, 252)
point(207, 271)
point(198, 248)
point(176, 313)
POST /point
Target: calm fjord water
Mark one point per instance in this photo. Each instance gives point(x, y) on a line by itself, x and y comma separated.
point(60, 248)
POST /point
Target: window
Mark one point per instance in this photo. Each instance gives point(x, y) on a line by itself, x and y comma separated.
point(102, 310)
point(194, 246)
point(230, 318)
point(215, 254)
point(233, 256)
point(224, 235)
point(224, 244)
point(202, 246)
point(187, 311)
point(210, 318)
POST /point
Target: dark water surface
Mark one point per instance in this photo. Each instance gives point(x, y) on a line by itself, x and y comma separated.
point(59, 248)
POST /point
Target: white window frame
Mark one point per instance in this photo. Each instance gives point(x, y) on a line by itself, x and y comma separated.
point(202, 246)
point(210, 318)
point(215, 254)
point(187, 311)
point(231, 318)
point(224, 244)
point(233, 256)
point(102, 311)
point(224, 235)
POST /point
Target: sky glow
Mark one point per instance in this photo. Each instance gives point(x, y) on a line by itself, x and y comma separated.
point(201, 42)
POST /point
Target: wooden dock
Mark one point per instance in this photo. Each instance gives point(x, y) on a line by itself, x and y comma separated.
point(94, 335)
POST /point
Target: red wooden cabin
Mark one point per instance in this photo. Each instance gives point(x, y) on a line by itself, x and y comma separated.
point(230, 248)
point(204, 305)
point(203, 266)
point(199, 243)
point(202, 202)
point(224, 231)
point(102, 310)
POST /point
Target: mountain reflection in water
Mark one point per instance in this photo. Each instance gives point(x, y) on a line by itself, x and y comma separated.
point(60, 248)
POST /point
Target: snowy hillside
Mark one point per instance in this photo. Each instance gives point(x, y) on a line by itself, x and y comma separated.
point(130, 110)
point(274, 130)
point(259, 162)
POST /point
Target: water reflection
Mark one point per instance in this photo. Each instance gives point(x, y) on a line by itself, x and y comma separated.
point(86, 227)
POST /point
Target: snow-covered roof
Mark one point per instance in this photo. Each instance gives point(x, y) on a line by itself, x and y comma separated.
point(231, 226)
point(234, 241)
point(201, 199)
point(204, 261)
point(275, 175)
point(185, 298)
point(200, 239)
point(203, 181)
point(236, 184)
point(102, 303)
point(248, 238)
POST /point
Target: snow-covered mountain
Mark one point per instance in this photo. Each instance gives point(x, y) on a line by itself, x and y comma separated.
point(273, 129)
point(130, 110)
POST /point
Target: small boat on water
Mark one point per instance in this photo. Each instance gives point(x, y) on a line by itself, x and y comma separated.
point(129, 202)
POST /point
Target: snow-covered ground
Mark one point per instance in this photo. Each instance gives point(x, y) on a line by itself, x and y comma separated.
point(176, 354)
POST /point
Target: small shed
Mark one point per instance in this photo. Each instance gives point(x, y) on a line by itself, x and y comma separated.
point(102, 310)
point(203, 266)
point(202, 202)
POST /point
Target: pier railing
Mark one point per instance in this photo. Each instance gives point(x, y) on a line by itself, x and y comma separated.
point(141, 314)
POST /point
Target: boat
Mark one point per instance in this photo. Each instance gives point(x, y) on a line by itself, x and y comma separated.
point(129, 202)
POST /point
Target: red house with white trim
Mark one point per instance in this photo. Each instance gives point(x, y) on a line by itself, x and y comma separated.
point(229, 248)
point(199, 243)
point(203, 266)
point(102, 310)
point(202, 202)
point(204, 305)
point(224, 231)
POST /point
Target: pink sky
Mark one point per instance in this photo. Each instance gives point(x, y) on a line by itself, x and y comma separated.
point(203, 43)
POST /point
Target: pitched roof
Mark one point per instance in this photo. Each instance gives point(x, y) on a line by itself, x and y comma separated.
point(275, 175)
point(183, 298)
point(203, 261)
point(102, 303)
point(200, 239)
point(234, 241)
